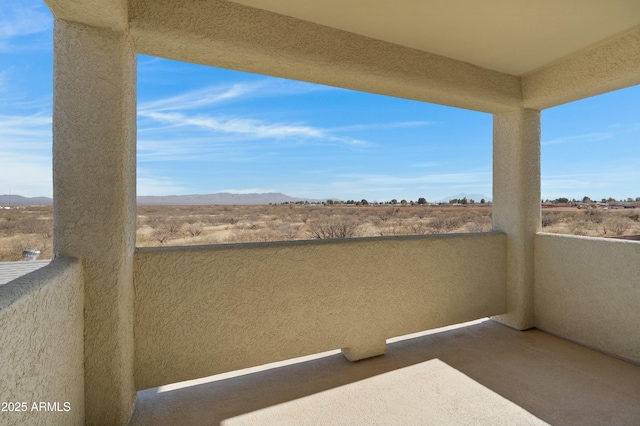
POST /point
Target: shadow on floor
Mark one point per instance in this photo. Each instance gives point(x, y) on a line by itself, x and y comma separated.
point(483, 373)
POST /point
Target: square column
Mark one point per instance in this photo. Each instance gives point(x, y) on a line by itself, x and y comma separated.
point(516, 206)
point(94, 183)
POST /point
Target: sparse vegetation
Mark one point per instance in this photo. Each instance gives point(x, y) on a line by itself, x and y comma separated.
point(26, 228)
point(32, 227)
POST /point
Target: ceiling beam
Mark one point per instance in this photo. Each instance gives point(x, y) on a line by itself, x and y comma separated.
point(111, 14)
point(612, 65)
point(229, 35)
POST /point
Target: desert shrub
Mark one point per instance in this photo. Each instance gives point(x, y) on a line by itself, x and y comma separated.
point(288, 231)
point(231, 220)
point(634, 216)
point(194, 230)
point(418, 228)
point(578, 227)
point(549, 218)
point(594, 215)
point(333, 227)
point(442, 223)
point(480, 224)
point(618, 225)
point(466, 216)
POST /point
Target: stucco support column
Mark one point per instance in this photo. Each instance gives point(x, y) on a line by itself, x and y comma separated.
point(516, 206)
point(94, 131)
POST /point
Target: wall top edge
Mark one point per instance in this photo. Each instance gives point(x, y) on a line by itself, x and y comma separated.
point(322, 242)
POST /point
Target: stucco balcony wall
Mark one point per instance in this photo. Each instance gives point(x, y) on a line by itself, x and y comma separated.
point(207, 310)
point(42, 345)
point(587, 290)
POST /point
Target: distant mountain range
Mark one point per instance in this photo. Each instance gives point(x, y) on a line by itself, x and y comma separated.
point(19, 200)
point(174, 200)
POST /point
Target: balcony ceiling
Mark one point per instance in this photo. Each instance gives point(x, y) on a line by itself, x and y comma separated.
point(512, 36)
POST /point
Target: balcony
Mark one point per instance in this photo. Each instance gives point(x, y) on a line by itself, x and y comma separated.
point(479, 372)
point(106, 323)
point(264, 318)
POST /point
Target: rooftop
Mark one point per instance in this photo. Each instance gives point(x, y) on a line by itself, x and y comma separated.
point(11, 270)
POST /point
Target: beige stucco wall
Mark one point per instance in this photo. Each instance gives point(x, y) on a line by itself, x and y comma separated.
point(609, 66)
point(588, 290)
point(206, 310)
point(516, 205)
point(41, 344)
point(230, 35)
point(94, 188)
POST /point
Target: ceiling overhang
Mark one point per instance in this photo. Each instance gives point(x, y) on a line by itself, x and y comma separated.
point(492, 56)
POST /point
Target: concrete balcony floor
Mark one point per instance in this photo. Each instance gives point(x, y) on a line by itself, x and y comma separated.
point(480, 373)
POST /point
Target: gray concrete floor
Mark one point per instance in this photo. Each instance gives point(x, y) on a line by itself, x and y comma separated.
point(480, 373)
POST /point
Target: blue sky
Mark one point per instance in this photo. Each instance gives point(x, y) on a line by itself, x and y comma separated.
point(205, 130)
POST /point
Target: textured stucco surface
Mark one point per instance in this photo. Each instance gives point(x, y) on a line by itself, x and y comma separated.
point(539, 33)
point(229, 35)
point(516, 205)
point(41, 344)
point(202, 311)
point(94, 131)
point(588, 290)
point(609, 66)
point(96, 13)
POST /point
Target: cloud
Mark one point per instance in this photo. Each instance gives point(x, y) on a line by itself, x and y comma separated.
point(248, 191)
point(198, 98)
point(237, 125)
point(171, 113)
point(589, 137)
point(382, 187)
point(375, 126)
point(20, 133)
point(466, 178)
point(214, 95)
point(620, 182)
point(425, 164)
point(149, 184)
point(256, 129)
point(18, 21)
point(25, 174)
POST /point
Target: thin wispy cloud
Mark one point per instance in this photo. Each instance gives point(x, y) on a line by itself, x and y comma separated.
point(602, 182)
point(382, 126)
point(194, 149)
point(625, 128)
point(198, 98)
point(256, 129)
point(247, 190)
point(383, 187)
point(25, 174)
point(149, 184)
point(21, 133)
point(18, 20)
point(589, 137)
point(435, 178)
point(215, 95)
point(425, 164)
point(187, 110)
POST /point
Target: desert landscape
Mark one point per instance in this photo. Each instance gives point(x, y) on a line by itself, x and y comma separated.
point(31, 227)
